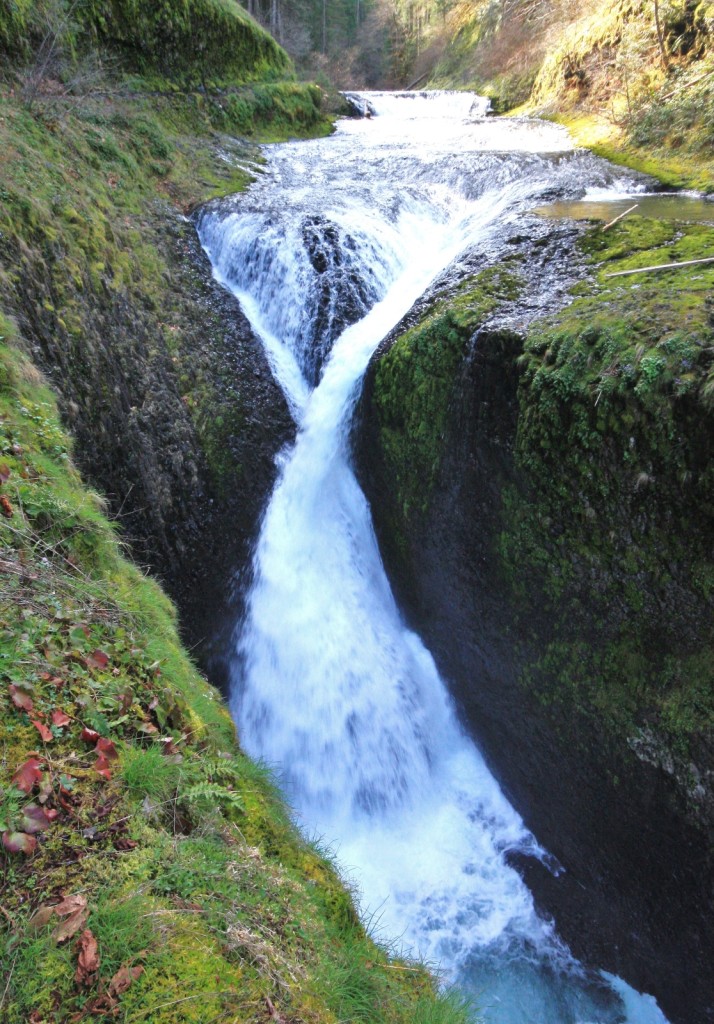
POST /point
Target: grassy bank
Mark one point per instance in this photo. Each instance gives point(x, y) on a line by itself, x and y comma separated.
point(640, 93)
point(148, 868)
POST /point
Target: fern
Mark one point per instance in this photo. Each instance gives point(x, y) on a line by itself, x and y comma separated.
point(211, 795)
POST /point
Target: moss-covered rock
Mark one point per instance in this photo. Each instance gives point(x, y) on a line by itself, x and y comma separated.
point(558, 562)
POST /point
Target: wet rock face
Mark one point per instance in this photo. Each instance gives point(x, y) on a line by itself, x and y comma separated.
point(340, 295)
point(636, 894)
point(175, 415)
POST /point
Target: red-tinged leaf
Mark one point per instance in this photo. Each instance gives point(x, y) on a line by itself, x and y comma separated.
point(45, 790)
point(60, 719)
point(34, 819)
point(19, 842)
point(4, 472)
point(5, 507)
point(28, 775)
point(21, 699)
point(148, 728)
point(98, 659)
point(106, 748)
point(52, 813)
point(89, 735)
point(123, 979)
point(44, 732)
point(87, 960)
point(102, 767)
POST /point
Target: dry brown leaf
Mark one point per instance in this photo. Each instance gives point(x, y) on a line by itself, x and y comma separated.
point(71, 925)
point(70, 904)
point(124, 977)
point(87, 959)
point(42, 916)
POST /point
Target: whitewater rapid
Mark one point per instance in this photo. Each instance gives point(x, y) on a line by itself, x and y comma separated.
point(327, 252)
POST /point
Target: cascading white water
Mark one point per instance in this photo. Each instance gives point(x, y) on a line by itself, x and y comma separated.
point(329, 684)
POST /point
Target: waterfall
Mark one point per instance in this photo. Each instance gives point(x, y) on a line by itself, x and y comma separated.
point(327, 252)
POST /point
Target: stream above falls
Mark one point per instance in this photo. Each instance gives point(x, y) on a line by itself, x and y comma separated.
point(326, 252)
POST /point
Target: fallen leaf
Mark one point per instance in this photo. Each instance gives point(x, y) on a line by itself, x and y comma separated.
point(71, 904)
point(102, 1005)
point(102, 767)
point(19, 842)
point(20, 698)
point(60, 719)
point(34, 819)
point(105, 748)
point(87, 960)
point(70, 926)
point(6, 508)
point(44, 732)
point(52, 813)
point(89, 735)
point(123, 979)
point(98, 659)
point(4, 472)
point(126, 699)
point(28, 775)
point(124, 845)
point(45, 790)
point(41, 917)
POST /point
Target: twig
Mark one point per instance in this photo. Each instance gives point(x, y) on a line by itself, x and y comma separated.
point(416, 81)
point(186, 999)
point(618, 219)
point(399, 967)
point(271, 1010)
point(663, 266)
point(687, 85)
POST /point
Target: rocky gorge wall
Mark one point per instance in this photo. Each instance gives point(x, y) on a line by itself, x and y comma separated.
point(542, 492)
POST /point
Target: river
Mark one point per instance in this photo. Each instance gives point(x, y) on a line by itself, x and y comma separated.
point(326, 252)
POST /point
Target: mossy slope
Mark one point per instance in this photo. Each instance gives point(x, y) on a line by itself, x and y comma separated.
point(193, 876)
point(188, 40)
point(640, 94)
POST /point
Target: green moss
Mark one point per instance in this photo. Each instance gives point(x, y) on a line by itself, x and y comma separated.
point(607, 534)
point(423, 362)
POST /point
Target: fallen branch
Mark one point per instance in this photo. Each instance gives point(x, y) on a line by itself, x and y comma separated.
point(618, 219)
point(415, 83)
point(662, 266)
point(687, 85)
